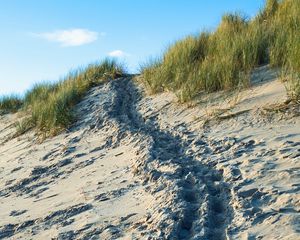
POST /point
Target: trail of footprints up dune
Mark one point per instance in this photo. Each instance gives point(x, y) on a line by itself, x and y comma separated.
point(134, 166)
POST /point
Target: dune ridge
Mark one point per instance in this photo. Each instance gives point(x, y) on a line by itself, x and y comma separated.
point(144, 167)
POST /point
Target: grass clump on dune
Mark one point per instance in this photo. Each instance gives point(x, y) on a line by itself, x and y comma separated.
point(11, 103)
point(224, 59)
point(285, 50)
point(50, 105)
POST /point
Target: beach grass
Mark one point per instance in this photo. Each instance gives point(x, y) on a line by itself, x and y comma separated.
point(49, 106)
point(10, 103)
point(224, 59)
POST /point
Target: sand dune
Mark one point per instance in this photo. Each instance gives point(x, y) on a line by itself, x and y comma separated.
point(144, 167)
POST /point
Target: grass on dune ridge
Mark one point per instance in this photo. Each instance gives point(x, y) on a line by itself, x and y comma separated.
point(50, 105)
point(10, 103)
point(203, 63)
point(224, 59)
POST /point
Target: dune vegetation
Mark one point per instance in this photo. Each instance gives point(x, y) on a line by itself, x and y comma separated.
point(198, 64)
point(49, 106)
point(224, 59)
point(10, 103)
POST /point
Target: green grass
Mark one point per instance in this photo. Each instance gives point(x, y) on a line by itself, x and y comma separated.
point(198, 64)
point(49, 106)
point(292, 80)
point(11, 103)
point(224, 59)
point(23, 126)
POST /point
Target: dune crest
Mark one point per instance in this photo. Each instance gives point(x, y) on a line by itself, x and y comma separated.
point(144, 167)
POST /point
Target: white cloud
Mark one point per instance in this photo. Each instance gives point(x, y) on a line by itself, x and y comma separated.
point(71, 37)
point(118, 53)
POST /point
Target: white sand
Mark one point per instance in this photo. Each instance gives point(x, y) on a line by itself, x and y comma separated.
point(136, 167)
point(73, 185)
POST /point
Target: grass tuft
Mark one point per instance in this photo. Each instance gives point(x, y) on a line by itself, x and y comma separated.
point(50, 105)
point(224, 59)
point(11, 103)
point(23, 126)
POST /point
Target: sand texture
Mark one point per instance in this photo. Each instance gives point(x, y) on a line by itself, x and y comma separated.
point(145, 167)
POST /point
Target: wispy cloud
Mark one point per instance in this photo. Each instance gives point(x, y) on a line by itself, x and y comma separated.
point(70, 37)
point(118, 53)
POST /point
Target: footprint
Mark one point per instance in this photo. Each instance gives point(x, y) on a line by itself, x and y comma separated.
point(15, 213)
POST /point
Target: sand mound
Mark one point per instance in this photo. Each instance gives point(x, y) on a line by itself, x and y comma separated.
point(136, 167)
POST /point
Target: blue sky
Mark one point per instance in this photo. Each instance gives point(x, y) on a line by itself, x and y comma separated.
point(42, 40)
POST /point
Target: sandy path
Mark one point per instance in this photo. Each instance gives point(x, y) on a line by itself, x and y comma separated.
point(135, 167)
point(191, 199)
point(78, 185)
point(255, 155)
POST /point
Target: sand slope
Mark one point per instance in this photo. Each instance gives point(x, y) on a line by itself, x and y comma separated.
point(136, 167)
point(77, 185)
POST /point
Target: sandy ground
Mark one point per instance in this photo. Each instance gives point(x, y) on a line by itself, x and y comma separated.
point(137, 167)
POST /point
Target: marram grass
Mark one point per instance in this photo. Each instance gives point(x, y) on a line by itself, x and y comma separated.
point(11, 103)
point(50, 105)
point(224, 59)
